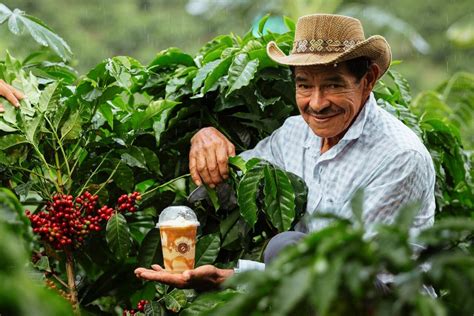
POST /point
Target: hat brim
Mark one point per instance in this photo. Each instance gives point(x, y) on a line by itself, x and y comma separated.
point(375, 47)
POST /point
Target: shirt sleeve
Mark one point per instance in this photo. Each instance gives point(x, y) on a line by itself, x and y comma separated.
point(402, 179)
point(247, 265)
point(272, 147)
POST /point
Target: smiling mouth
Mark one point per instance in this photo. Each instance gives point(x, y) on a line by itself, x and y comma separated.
point(326, 116)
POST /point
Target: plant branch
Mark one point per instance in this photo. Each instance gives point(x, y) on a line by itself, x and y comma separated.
point(40, 155)
point(58, 167)
point(165, 184)
point(108, 179)
point(60, 146)
point(60, 281)
point(95, 172)
point(71, 280)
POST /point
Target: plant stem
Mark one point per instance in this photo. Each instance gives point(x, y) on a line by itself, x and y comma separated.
point(60, 281)
point(58, 169)
point(108, 179)
point(71, 281)
point(60, 146)
point(165, 184)
point(94, 173)
point(46, 165)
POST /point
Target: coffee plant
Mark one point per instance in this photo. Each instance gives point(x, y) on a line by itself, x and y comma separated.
point(95, 159)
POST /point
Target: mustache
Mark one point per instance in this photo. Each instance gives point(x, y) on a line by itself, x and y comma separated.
point(326, 111)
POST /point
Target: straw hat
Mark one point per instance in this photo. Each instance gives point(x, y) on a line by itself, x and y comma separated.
point(322, 39)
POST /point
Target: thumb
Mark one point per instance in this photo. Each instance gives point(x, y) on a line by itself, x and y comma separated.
point(156, 267)
point(188, 275)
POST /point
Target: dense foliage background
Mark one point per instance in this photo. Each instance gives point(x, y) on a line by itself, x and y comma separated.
point(433, 38)
point(125, 126)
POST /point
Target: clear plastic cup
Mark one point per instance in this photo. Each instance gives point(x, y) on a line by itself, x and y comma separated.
point(178, 226)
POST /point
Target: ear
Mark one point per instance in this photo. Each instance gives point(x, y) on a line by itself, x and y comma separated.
point(371, 77)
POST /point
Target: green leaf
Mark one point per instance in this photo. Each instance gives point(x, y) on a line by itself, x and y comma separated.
point(48, 98)
point(72, 128)
point(134, 157)
point(144, 185)
point(325, 284)
point(7, 128)
point(33, 127)
point(225, 227)
point(118, 236)
point(207, 249)
point(10, 113)
point(150, 249)
point(43, 264)
point(291, 290)
point(170, 57)
point(247, 194)
point(213, 197)
point(216, 74)
point(279, 198)
point(161, 288)
point(241, 72)
point(208, 302)
point(18, 21)
point(11, 140)
point(301, 193)
point(238, 162)
point(175, 300)
point(261, 23)
point(152, 161)
point(13, 214)
point(402, 85)
point(153, 308)
point(124, 178)
point(106, 111)
point(203, 73)
point(290, 24)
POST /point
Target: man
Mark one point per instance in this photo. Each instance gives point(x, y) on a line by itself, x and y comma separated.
point(341, 142)
point(10, 93)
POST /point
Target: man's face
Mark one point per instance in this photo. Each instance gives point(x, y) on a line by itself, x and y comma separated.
point(329, 98)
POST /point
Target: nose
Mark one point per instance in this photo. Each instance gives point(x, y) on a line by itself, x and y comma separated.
point(318, 100)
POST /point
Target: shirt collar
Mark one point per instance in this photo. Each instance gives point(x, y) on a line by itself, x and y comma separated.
point(356, 128)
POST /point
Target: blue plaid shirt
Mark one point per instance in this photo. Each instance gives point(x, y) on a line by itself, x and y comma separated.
point(378, 153)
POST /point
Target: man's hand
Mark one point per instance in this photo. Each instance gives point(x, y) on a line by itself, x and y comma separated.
point(208, 157)
point(10, 93)
point(205, 277)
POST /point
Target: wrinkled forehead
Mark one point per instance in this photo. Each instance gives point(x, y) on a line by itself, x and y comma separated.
point(322, 70)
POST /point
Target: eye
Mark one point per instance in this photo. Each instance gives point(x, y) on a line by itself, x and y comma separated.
point(333, 86)
point(302, 86)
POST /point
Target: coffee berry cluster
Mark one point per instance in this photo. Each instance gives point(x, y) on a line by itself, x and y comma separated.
point(66, 221)
point(140, 308)
point(126, 202)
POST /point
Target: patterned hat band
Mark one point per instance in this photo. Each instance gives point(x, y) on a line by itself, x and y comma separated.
point(322, 45)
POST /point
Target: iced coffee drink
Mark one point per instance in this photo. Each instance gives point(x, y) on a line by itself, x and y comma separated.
point(178, 226)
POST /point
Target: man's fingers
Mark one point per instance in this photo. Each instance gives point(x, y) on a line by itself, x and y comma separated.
point(157, 267)
point(187, 275)
point(193, 170)
point(158, 274)
point(2, 109)
point(202, 169)
point(17, 93)
point(212, 167)
point(230, 149)
point(8, 94)
point(222, 164)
